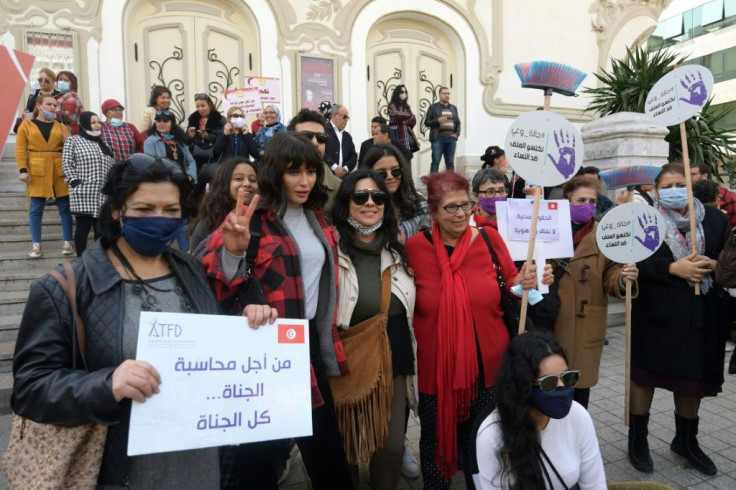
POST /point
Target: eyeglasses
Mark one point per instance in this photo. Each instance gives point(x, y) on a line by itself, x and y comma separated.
point(321, 137)
point(44, 80)
point(269, 112)
point(344, 116)
point(395, 173)
point(142, 161)
point(548, 383)
point(453, 207)
point(237, 116)
point(361, 197)
point(201, 96)
point(492, 192)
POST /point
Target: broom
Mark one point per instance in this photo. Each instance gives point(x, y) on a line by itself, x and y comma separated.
point(550, 77)
point(634, 175)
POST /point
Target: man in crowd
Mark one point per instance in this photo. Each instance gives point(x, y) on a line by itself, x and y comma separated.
point(444, 124)
point(312, 124)
point(380, 135)
point(701, 171)
point(120, 136)
point(340, 151)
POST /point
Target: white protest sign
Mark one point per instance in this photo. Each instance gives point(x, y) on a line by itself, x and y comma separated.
point(630, 232)
point(518, 249)
point(268, 88)
point(222, 382)
point(544, 148)
point(248, 99)
point(679, 95)
point(520, 221)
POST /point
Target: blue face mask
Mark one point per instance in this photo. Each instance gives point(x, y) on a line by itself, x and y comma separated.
point(116, 123)
point(555, 404)
point(167, 136)
point(63, 86)
point(50, 115)
point(673, 197)
point(149, 236)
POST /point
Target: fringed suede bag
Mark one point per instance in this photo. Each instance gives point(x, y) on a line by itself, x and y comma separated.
point(363, 398)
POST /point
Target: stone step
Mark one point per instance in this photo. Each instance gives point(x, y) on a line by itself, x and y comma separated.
point(13, 302)
point(9, 173)
point(17, 243)
point(19, 226)
point(15, 212)
point(12, 262)
point(14, 199)
point(616, 312)
point(9, 327)
point(18, 281)
point(6, 389)
point(6, 356)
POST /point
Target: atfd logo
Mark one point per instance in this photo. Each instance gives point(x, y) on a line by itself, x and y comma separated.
point(291, 334)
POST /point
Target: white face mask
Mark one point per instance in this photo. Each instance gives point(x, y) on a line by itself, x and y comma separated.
point(94, 134)
point(237, 122)
point(403, 96)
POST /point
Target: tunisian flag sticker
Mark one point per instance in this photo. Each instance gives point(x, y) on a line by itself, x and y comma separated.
point(291, 334)
point(552, 206)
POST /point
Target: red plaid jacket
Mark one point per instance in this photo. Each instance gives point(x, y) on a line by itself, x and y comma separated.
point(123, 141)
point(277, 268)
point(68, 110)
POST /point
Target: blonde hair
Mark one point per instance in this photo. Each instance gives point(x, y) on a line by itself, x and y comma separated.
point(48, 72)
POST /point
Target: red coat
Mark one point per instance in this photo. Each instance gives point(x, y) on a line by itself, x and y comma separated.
point(485, 304)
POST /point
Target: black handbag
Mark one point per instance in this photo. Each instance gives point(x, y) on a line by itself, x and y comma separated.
point(511, 309)
point(544, 314)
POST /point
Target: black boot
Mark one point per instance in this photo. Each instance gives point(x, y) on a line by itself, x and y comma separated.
point(638, 444)
point(686, 445)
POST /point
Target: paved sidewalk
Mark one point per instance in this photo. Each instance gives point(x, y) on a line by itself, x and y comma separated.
point(717, 438)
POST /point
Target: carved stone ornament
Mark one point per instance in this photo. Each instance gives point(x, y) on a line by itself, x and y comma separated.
point(81, 15)
point(608, 12)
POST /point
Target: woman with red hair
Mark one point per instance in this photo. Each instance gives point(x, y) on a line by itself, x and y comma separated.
point(458, 323)
point(70, 106)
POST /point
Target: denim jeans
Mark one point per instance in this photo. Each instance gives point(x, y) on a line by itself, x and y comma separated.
point(443, 145)
point(36, 215)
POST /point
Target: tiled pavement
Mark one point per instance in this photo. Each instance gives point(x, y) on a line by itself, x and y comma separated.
point(717, 438)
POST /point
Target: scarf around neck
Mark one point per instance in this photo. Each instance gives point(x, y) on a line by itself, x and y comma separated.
point(678, 236)
point(457, 360)
point(85, 125)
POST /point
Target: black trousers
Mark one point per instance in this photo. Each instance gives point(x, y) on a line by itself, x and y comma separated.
point(85, 223)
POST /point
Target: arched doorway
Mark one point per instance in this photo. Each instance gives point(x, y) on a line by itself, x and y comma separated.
point(421, 57)
point(191, 47)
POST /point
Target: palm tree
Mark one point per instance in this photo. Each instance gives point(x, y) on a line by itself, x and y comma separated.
point(625, 88)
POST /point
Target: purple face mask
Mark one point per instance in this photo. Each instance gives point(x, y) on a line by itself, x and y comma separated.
point(582, 213)
point(488, 204)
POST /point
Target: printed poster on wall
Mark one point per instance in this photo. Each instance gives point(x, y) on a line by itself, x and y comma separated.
point(268, 88)
point(222, 382)
point(317, 81)
point(248, 99)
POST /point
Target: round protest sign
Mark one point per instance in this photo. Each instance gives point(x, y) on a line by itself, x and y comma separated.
point(544, 148)
point(630, 233)
point(679, 95)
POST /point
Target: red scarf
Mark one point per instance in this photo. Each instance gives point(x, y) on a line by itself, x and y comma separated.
point(582, 232)
point(457, 364)
point(481, 221)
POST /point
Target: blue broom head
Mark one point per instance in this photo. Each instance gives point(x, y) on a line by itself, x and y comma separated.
point(550, 77)
point(617, 178)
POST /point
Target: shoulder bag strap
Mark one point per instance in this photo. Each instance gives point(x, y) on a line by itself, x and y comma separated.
point(386, 290)
point(557, 474)
point(79, 337)
point(494, 259)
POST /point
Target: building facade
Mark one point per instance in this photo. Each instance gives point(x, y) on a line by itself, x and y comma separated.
point(120, 48)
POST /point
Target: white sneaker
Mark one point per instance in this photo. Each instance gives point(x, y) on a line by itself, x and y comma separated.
point(35, 252)
point(409, 466)
point(68, 248)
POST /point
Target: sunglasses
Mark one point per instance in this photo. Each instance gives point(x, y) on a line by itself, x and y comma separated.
point(344, 116)
point(453, 207)
point(321, 137)
point(164, 113)
point(44, 80)
point(361, 197)
point(395, 173)
point(548, 383)
point(142, 161)
point(237, 116)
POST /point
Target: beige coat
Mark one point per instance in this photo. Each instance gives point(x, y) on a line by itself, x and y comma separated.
point(42, 159)
point(402, 286)
point(581, 323)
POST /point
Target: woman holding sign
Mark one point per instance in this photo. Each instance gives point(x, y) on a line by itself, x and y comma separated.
point(129, 270)
point(295, 260)
point(584, 283)
point(678, 337)
point(458, 323)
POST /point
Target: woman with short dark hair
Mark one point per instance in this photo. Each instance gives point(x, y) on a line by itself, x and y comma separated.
point(160, 100)
point(537, 437)
point(129, 270)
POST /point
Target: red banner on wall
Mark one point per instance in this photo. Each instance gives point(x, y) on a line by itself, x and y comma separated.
point(16, 67)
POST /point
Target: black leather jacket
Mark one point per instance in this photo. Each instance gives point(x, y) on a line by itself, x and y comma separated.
point(46, 387)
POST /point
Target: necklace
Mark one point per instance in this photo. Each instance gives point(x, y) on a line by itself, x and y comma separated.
point(173, 146)
point(142, 289)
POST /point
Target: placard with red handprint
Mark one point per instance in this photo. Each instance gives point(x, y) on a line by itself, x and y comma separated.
point(544, 148)
point(679, 95)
